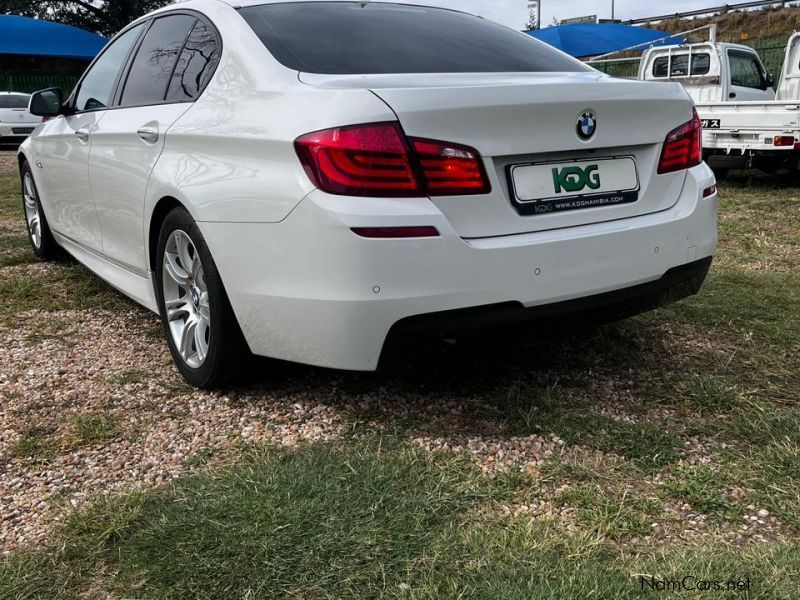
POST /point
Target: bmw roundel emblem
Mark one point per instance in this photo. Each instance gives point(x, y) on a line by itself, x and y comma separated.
point(587, 125)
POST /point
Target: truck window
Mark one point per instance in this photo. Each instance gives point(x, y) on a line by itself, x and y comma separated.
point(746, 70)
point(661, 66)
point(680, 66)
point(701, 64)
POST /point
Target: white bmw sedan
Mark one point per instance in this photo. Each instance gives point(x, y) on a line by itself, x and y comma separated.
point(299, 179)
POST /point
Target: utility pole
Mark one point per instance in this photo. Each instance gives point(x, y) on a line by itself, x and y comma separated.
point(539, 14)
point(612, 11)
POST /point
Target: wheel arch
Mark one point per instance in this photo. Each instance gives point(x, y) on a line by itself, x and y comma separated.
point(162, 208)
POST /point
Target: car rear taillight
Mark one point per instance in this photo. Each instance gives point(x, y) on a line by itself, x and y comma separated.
point(378, 160)
point(364, 160)
point(683, 147)
point(450, 169)
point(783, 140)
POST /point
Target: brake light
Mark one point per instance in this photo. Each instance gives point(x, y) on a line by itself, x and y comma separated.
point(783, 140)
point(363, 160)
point(378, 160)
point(683, 147)
point(450, 169)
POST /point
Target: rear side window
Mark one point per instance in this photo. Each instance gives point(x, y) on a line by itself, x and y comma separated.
point(196, 64)
point(368, 38)
point(14, 101)
point(155, 60)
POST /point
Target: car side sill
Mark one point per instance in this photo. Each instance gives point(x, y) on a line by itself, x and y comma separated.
point(137, 288)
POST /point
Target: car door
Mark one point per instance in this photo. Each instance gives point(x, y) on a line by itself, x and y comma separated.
point(747, 79)
point(128, 141)
point(62, 149)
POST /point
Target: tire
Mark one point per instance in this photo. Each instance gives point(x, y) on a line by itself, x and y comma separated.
point(202, 332)
point(43, 243)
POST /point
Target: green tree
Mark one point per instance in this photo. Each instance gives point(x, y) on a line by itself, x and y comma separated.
point(105, 17)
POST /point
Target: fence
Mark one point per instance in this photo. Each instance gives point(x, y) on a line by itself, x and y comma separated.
point(715, 10)
point(772, 53)
point(33, 83)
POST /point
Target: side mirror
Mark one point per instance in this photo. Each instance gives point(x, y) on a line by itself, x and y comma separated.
point(47, 103)
point(770, 80)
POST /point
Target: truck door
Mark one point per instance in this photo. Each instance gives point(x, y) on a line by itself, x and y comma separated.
point(747, 77)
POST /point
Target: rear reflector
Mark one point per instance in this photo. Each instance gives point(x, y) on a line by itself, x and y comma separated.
point(709, 191)
point(396, 232)
point(784, 140)
point(683, 148)
point(378, 160)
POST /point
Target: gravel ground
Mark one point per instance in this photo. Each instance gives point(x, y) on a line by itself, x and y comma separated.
point(8, 161)
point(77, 421)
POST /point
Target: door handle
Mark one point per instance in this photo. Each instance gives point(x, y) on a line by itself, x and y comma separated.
point(732, 95)
point(82, 134)
point(148, 134)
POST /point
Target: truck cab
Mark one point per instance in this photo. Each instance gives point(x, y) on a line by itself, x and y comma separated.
point(712, 71)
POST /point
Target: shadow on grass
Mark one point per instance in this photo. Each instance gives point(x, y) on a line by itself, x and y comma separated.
point(366, 518)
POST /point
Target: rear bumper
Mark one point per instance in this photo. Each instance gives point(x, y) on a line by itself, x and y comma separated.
point(14, 134)
point(12, 139)
point(676, 284)
point(309, 290)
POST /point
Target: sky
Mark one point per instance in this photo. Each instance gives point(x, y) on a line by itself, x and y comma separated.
point(514, 13)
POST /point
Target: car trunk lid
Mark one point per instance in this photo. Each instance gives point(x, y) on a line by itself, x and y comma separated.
point(525, 126)
point(18, 116)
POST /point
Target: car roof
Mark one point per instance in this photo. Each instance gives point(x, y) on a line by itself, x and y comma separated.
point(15, 93)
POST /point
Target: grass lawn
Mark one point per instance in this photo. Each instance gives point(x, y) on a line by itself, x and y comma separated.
point(677, 455)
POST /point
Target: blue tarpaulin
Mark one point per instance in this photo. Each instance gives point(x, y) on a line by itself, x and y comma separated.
point(587, 39)
point(35, 37)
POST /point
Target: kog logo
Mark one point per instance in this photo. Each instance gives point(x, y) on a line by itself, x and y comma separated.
point(575, 179)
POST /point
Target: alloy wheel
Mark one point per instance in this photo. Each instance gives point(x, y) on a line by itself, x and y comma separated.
point(32, 215)
point(186, 300)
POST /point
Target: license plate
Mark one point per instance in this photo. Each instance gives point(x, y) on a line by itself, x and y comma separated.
point(562, 186)
point(22, 130)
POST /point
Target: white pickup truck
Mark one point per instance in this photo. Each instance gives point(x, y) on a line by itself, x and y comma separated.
point(745, 123)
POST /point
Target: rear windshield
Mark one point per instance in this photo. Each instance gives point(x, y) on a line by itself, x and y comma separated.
point(342, 38)
point(14, 101)
point(701, 65)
